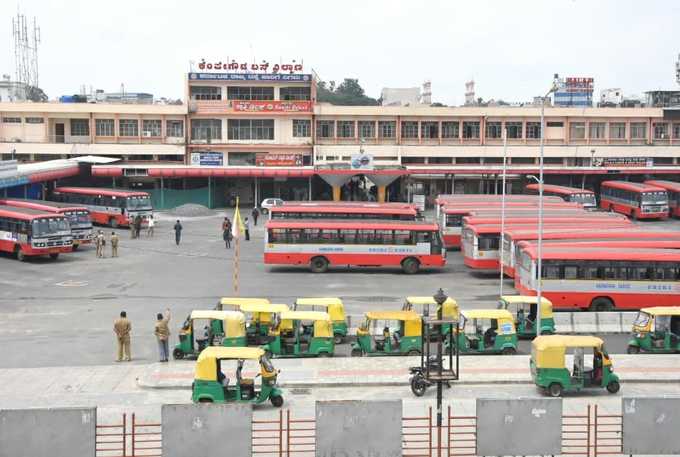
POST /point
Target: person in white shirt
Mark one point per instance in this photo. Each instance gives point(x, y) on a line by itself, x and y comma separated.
point(149, 226)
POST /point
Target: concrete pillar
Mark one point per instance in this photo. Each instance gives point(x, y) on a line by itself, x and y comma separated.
point(381, 194)
point(162, 194)
point(209, 192)
point(336, 193)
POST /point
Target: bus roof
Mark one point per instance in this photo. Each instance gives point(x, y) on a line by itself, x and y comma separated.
point(352, 204)
point(339, 224)
point(632, 186)
point(611, 243)
point(576, 253)
point(42, 205)
point(352, 209)
point(548, 223)
point(101, 191)
point(562, 190)
point(667, 185)
point(493, 208)
point(520, 233)
point(564, 218)
point(25, 213)
point(485, 197)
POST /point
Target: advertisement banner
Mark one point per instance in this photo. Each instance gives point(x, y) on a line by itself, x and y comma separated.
point(249, 77)
point(623, 162)
point(207, 159)
point(362, 162)
point(272, 106)
point(278, 160)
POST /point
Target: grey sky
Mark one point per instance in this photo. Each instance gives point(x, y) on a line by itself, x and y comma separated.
point(510, 48)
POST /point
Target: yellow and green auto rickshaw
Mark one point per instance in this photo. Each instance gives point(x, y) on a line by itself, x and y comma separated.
point(399, 333)
point(450, 308)
point(549, 364)
point(220, 328)
point(259, 318)
point(656, 330)
point(524, 308)
point(212, 385)
point(301, 334)
point(236, 302)
point(331, 305)
point(486, 331)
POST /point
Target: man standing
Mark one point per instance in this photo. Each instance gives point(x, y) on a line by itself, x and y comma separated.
point(149, 226)
point(101, 242)
point(162, 332)
point(98, 244)
point(122, 328)
point(178, 232)
point(255, 214)
point(246, 227)
point(138, 225)
point(114, 244)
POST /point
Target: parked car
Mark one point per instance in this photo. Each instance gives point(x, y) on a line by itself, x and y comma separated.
point(269, 203)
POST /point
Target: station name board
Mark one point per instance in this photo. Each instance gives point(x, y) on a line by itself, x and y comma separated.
point(264, 66)
point(248, 77)
point(278, 160)
point(272, 106)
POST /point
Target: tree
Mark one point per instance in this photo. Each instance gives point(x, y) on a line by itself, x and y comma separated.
point(35, 94)
point(348, 92)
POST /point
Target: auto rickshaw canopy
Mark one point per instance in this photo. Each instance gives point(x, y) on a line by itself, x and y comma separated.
point(662, 311)
point(411, 319)
point(239, 301)
point(506, 321)
point(323, 327)
point(233, 322)
point(546, 305)
point(333, 305)
point(206, 365)
point(262, 311)
point(548, 351)
point(449, 308)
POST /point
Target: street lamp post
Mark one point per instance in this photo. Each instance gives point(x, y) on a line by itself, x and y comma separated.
point(505, 161)
point(440, 297)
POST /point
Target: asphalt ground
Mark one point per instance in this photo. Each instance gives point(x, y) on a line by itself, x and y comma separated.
point(61, 313)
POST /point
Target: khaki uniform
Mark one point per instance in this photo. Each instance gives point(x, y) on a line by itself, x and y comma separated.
point(114, 245)
point(100, 245)
point(162, 332)
point(122, 327)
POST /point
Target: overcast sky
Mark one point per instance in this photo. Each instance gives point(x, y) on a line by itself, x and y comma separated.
point(510, 48)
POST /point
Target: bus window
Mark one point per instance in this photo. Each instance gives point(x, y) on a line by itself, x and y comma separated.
point(570, 272)
point(551, 272)
point(423, 237)
point(402, 237)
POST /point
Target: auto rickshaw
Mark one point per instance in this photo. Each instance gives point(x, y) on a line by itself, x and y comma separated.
point(211, 384)
point(486, 331)
point(405, 339)
point(549, 365)
point(450, 308)
point(656, 330)
point(301, 334)
point(259, 318)
point(236, 302)
point(524, 308)
point(224, 328)
point(334, 307)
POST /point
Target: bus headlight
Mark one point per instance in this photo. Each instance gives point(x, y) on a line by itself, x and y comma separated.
point(39, 245)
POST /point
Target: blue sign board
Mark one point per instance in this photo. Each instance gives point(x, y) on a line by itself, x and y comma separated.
point(13, 181)
point(207, 159)
point(249, 77)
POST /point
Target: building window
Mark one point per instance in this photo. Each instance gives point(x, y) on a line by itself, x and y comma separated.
point(554, 124)
point(514, 130)
point(470, 129)
point(429, 130)
point(414, 160)
point(409, 129)
point(205, 93)
point(302, 128)
point(325, 129)
point(104, 127)
point(577, 130)
point(80, 127)
point(638, 130)
point(35, 120)
point(206, 129)
point(596, 130)
point(534, 130)
point(387, 129)
point(174, 128)
point(523, 160)
point(661, 131)
point(345, 129)
point(128, 127)
point(11, 120)
point(366, 129)
point(439, 160)
point(676, 131)
point(553, 160)
point(241, 158)
point(617, 130)
point(250, 93)
point(151, 127)
point(450, 129)
point(494, 130)
point(295, 93)
point(251, 129)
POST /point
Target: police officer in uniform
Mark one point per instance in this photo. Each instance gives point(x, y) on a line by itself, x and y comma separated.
point(122, 328)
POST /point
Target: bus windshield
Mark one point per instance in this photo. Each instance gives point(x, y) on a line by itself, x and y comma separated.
point(80, 218)
point(654, 198)
point(49, 226)
point(138, 203)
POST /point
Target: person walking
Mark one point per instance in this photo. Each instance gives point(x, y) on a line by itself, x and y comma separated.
point(98, 243)
point(162, 332)
point(149, 226)
point(101, 243)
point(178, 232)
point(255, 213)
point(114, 244)
point(246, 227)
point(122, 328)
point(138, 225)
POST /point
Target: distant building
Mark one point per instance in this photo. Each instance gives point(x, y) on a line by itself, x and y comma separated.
point(611, 97)
point(409, 96)
point(12, 91)
point(572, 91)
point(138, 98)
point(470, 93)
point(662, 98)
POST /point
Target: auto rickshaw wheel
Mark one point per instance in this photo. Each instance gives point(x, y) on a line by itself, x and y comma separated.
point(356, 352)
point(613, 387)
point(555, 389)
point(277, 400)
point(418, 385)
point(324, 354)
point(509, 351)
point(205, 400)
point(413, 352)
point(178, 354)
point(338, 338)
point(633, 349)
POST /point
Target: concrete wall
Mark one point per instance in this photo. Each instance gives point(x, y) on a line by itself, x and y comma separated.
point(65, 432)
point(650, 426)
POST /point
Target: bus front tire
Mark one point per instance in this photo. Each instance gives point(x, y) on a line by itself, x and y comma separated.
point(601, 304)
point(555, 389)
point(318, 265)
point(54, 256)
point(410, 265)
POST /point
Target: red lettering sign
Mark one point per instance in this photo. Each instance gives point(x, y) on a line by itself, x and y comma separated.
point(278, 160)
point(272, 106)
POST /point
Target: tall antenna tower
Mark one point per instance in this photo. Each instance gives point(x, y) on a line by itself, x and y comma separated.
point(26, 40)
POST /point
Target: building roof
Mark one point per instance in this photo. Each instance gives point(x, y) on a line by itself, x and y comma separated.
point(96, 108)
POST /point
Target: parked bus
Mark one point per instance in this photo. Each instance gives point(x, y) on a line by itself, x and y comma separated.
point(672, 188)
point(26, 232)
point(637, 200)
point(323, 243)
point(570, 194)
point(355, 211)
point(113, 207)
point(78, 216)
point(602, 279)
point(531, 218)
point(484, 199)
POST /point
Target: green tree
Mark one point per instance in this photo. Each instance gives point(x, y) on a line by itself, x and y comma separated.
point(348, 92)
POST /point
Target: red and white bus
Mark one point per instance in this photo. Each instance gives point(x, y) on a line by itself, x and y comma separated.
point(486, 199)
point(352, 211)
point(569, 194)
point(323, 243)
point(78, 216)
point(113, 207)
point(27, 232)
point(602, 279)
point(637, 200)
point(672, 188)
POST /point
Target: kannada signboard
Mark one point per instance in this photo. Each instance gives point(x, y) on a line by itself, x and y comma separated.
point(291, 67)
point(623, 162)
point(249, 77)
point(278, 160)
point(207, 159)
point(278, 106)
